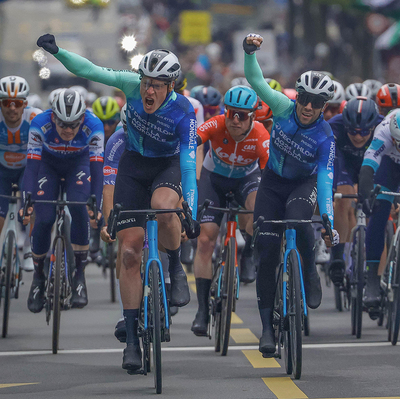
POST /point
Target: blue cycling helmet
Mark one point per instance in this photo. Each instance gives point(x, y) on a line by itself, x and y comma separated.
point(241, 97)
point(360, 113)
point(207, 95)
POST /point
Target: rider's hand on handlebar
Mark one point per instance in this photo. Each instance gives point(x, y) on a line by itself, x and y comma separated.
point(25, 220)
point(252, 42)
point(48, 42)
point(327, 240)
point(195, 232)
point(104, 235)
point(94, 224)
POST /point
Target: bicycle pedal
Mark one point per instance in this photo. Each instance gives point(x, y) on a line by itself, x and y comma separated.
point(271, 355)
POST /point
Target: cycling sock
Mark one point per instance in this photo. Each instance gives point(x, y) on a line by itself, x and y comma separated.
point(338, 251)
point(131, 323)
point(38, 263)
point(174, 257)
point(266, 318)
point(80, 263)
point(247, 251)
point(202, 289)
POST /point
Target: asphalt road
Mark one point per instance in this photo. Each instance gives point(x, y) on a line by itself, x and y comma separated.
point(335, 364)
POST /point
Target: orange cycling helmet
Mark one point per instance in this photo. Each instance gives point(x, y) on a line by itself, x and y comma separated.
point(263, 112)
point(388, 96)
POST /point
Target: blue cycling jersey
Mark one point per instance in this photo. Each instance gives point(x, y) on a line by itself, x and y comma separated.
point(296, 151)
point(44, 140)
point(170, 130)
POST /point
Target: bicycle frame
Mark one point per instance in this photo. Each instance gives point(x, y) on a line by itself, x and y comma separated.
point(290, 236)
point(152, 238)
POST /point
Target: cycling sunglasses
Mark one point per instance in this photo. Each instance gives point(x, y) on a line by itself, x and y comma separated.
point(316, 101)
point(212, 109)
point(156, 86)
point(8, 102)
point(66, 125)
point(242, 115)
point(362, 133)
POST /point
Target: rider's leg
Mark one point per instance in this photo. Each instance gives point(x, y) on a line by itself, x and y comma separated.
point(203, 273)
point(169, 228)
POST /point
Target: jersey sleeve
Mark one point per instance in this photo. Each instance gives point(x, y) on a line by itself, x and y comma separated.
point(206, 130)
point(35, 147)
point(188, 144)
point(263, 149)
point(380, 146)
point(114, 149)
point(326, 158)
point(124, 80)
point(278, 102)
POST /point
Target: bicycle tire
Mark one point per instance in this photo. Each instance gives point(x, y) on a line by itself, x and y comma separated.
point(59, 251)
point(228, 290)
point(10, 263)
point(338, 298)
point(395, 314)
point(295, 313)
point(156, 324)
point(360, 281)
point(111, 268)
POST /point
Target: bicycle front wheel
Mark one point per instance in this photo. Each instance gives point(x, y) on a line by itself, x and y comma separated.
point(228, 289)
point(10, 265)
point(154, 276)
point(395, 307)
point(295, 313)
point(57, 266)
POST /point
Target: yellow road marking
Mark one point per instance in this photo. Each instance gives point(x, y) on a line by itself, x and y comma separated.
point(192, 286)
point(284, 388)
point(191, 278)
point(17, 385)
point(258, 362)
point(243, 336)
point(236, 319)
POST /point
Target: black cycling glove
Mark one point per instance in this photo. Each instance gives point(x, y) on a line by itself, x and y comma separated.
point(250, 48)
point(48, 42)
point(191, 233)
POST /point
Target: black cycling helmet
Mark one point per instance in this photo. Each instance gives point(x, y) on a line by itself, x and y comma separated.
point(360, 113)
point(208, 95)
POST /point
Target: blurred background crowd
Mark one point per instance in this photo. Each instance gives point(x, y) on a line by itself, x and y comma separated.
point(355, 40)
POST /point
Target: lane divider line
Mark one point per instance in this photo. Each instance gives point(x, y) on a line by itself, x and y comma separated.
point(284, 388)
point(236, 319)
point(17, 384)
point(243, 336)
point(258, 362)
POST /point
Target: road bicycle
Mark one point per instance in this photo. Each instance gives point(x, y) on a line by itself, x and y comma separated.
point(224, 290)
point(154, 316)
point(10, 263)
point(58, 290)
point(290, 306)
point(109, 259)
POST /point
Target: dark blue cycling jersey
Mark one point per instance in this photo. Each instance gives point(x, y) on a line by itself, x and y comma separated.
point(114, 148)
point(45, 141)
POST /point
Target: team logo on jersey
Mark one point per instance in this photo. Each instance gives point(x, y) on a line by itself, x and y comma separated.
point(192, 155)
point(86, 130)
point(108, 170)
point(80, 182)
point(57, 141)
point(42, 181)
point(249, 147)
point(80, 174)
point(13, 157)
point(225, 140)
point(41, 192)
point(36, 137)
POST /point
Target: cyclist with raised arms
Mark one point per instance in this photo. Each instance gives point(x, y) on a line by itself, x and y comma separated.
point(15, 119)
point(160, 153)
point(353, 131)
point(298, 173)
point(380, 166)
point(66, 142)
point(238, 148)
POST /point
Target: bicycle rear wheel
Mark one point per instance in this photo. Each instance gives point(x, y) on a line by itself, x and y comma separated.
point(357, 285)
point(111, 268)
point(9, 272)
point(228, 289)
point(57, 266)
point(295, 313)
point(155, 304)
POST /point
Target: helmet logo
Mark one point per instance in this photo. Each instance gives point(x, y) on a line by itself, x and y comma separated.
point(12, 78)
point(70, 97)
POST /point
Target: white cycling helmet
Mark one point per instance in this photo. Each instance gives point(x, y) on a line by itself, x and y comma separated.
point(395, 125)
point(123, 115)
point(160, 64)
point(240, 81)
point(13, 87)
point(339, 95)
point(316, 83)
point(357, 90)
point(81, 90)
point(69, 105)
point(53, 94)
point(374, 86)
point(34, 100)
